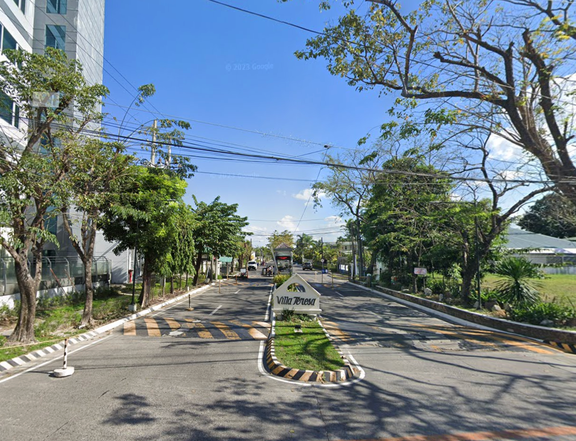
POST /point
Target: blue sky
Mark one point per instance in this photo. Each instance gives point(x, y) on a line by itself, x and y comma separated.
point(235, 78)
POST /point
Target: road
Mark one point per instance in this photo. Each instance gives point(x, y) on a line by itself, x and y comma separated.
point(197, 375)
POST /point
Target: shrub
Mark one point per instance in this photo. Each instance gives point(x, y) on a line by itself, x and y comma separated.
point(537, 313)
point(279, 279)
point(517, 285)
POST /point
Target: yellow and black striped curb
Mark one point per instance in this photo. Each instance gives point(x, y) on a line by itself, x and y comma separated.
point(276, 368)
point(566, 347)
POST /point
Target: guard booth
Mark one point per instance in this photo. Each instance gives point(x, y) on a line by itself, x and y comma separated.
point(283, 257)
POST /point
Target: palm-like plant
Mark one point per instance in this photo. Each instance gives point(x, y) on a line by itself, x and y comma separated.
point(517, 285)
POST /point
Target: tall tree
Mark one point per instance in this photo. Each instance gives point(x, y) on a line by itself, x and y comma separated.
point(52, 95)
point(304, 249)
point(349, 188)
point(500, 66)
point(145, 218)
point(278, 238)
point(399, 223)
point(217, 231)
point(552, 215)
point(99, 172)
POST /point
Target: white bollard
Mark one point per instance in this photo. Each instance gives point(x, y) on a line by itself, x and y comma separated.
point(66, 370)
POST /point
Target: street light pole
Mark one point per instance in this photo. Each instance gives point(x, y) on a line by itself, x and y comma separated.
point(132, 304)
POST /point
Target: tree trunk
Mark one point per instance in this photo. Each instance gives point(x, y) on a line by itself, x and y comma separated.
point(197, 268)
point(172, 284)
point(28, 286)
point(144, 299)
point(87, 319)
point(467, 274)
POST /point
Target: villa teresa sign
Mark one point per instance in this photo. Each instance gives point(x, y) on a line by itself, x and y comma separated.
point(306, 300)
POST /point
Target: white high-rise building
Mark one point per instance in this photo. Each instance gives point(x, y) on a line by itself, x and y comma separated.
point(75, 26)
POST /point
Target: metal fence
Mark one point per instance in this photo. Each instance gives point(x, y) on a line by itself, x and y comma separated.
point(57, 272)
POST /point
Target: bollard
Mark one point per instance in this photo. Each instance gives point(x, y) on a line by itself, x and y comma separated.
point(189, 305)
point(66, 370)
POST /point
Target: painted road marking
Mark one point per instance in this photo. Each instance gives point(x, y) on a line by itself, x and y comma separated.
point(335, 331)
point(173, 323)
point(228, 333)
point(469, 333)
point(211, 330)
point(213, 312)
point(130, 328)
point(546, 433)
point(255, 334)
point(152, 326)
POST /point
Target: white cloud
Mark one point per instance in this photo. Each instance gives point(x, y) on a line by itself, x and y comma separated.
point(288, 223)
point(307, 195)
point(335, 221)
point(503, 149)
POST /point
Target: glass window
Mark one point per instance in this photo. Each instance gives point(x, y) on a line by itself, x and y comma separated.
point(57, 6)
point(8, 111)
point(8, 41)
point(56, 36)
point(22, 5)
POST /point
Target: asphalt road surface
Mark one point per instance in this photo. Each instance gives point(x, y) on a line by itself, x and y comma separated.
point(194, 371)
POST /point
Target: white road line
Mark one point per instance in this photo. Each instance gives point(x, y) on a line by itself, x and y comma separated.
point(237, 292)
point(341, 295)
point(213, 312)
point(53, 360)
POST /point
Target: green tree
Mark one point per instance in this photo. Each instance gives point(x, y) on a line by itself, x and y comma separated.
point(98, 172)
point(551, 215)
point(276, 239)
point(183, 249)
point(400, 221)
point(33, 179)
point(303, 249)
point(500, 67)
point(145, 217)
point(217, 231)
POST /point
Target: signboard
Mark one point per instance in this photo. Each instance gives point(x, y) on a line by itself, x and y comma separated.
point(420, 271)
point(302, 298)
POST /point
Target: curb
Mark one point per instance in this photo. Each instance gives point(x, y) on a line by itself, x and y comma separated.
point(23, 359)
point(566, 347)
point(276, 368)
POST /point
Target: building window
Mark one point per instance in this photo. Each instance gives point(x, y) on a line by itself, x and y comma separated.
point(57, 6)
point(7, 41)
point(9, 112)
point(56, 36)
point(22, 5)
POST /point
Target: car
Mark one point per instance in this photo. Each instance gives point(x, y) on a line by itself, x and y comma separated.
point(307, 266)
point(252, 265)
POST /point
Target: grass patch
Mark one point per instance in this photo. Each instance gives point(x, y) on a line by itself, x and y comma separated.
point(309, 350)
point(558, 288)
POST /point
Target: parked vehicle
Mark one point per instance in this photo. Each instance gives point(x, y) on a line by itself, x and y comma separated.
point(252, 265)
point(307, 266)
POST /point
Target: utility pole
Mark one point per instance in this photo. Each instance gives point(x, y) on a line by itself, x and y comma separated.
point(153, 149)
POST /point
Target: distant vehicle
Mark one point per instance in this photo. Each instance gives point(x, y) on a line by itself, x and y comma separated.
point(243, 273)
point(252, 265)
point(307, 266)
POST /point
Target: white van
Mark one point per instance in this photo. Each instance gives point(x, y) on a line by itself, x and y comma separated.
point(252, 265)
